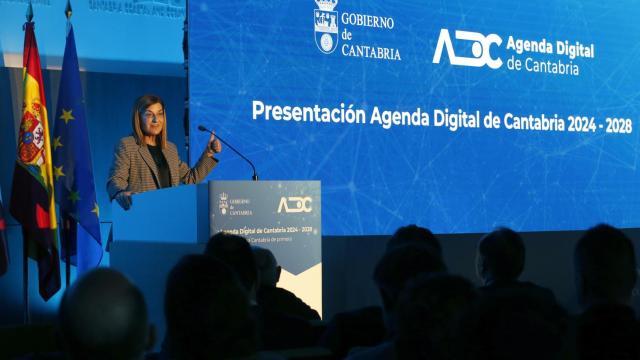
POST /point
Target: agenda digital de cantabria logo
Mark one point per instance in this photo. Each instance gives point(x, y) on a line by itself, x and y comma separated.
point(559, 57)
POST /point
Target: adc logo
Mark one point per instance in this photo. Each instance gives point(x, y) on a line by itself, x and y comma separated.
point(223, 204)
point(326, 25)
point(295, 204)
point(481, 49)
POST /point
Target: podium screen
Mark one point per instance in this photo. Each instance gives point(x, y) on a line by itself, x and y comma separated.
point(458, 116)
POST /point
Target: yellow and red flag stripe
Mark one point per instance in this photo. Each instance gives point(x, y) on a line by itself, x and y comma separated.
point(32, 196)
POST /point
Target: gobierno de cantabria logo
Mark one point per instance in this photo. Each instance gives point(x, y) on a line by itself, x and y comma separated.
point(326, 25)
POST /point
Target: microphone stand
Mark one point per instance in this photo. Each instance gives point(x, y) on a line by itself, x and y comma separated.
point(254, 177)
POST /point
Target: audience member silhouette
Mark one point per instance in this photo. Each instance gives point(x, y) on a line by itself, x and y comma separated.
point(366, 327)
point(500, 260)
point(207, 311)
point(396, 268)
point(413, 234)
point(104, 316)
point(430, 310)
point(276, 330)
point(605, 269)
point(274, 298)
point(235, 251)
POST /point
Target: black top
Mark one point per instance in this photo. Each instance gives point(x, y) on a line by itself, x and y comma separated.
point(164, 176)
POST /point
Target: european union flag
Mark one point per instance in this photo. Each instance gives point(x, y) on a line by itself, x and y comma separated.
point(72, 168)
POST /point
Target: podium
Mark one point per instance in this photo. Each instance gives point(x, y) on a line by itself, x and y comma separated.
point(172, 215)
point(164, 225)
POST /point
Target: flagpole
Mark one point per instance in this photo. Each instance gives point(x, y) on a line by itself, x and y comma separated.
point(66, 220)
point(25, 276)
point(185, 52)
point(25, 237)
point(66, 229)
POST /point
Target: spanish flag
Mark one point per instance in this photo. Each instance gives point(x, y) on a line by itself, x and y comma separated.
point(32, 197)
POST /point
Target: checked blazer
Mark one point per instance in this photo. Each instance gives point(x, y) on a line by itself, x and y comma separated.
point(133, 168)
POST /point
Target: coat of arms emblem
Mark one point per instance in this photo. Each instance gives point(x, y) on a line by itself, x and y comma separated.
point(224, 203)
point(326, 25)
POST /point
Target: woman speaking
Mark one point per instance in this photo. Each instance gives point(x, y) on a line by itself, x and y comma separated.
point(146, 160)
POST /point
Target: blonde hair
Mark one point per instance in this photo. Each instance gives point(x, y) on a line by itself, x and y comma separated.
point(139, 107)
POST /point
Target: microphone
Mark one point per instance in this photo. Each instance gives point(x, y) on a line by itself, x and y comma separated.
point(255, 174)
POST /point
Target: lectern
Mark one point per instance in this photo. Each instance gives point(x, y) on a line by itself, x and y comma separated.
point(164, 225)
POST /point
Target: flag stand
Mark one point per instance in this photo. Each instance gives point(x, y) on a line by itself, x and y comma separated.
point(25, 276)
point(68, 231)
point(66, 236)
point(67, 259)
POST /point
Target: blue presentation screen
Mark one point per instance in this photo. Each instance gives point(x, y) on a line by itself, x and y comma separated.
point(459, 116)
